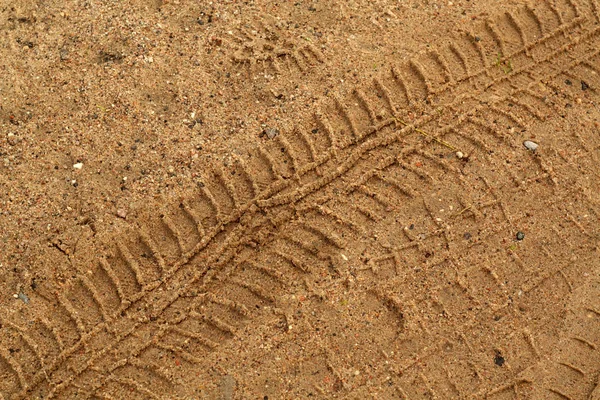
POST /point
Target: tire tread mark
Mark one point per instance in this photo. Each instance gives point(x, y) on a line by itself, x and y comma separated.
point(335, 216)
point(324, 123)
point(534, 16)
point(255, 289)
point(343, 110)
point(309, 144)
point(378, 197)
point(264, 154)
point(154, 248)
point(131, 262)
point(273, 273)
point(362, 99)
point(495, 33)
point(105, 266)
point(443, 62)
point(248, 176)
point(179, 352)
point(290, 152)
point(328, 237)
point(15, 366)
point(575, 7)
point(387, 95)
point(458, 53)
point(228, 186)
point(401, 81)
point(28, 340)
point(53, 331)
point(216, 321)
point(89, 286)
point(472, 39)
point(596, 9)
point(66, 305)
point(137, 387)
point(516, 24)
point(174, 231)
point(404, 189)
point(418, 69)
point(200, 338)
point(293, 261)
point(213, 203)
point(572, 367)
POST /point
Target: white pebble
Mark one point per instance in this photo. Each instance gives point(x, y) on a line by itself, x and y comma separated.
point(78, 165)
point(459, 154)
point(530, 145)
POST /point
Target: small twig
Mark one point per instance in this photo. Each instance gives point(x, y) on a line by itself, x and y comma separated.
point(461, 212)
point(440, 141)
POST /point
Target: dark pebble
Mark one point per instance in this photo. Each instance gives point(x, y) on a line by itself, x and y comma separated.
point(499, 360)
point(467, 236)
point(568, 82)
point(520, 235)
point(584, 86)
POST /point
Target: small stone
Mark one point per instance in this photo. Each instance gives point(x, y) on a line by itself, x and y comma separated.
point(532, 146)
point(78, 165)
point(271, 132)
point(121, 213)
point(499, 360)
point(23, 297)
point(520, 235)
point(467, 235)
point(584, 86)
point(12, 139)
point(459, 155)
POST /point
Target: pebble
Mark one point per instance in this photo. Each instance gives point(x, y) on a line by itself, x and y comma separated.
point(459, 155)
point(12, 139)
point(499, 360)
point(520, 235)
point(78, 165)
point(271, 132)
point(121, 213)
point(23, 297)
point(530, 145)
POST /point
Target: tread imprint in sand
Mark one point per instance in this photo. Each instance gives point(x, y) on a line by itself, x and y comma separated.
point(165, 287)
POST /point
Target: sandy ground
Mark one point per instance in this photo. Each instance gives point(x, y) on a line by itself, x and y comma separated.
point(308, 199)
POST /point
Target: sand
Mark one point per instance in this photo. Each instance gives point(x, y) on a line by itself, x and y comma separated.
point(310, 199)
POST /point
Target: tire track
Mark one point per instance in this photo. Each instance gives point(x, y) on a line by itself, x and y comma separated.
point(207, 230)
